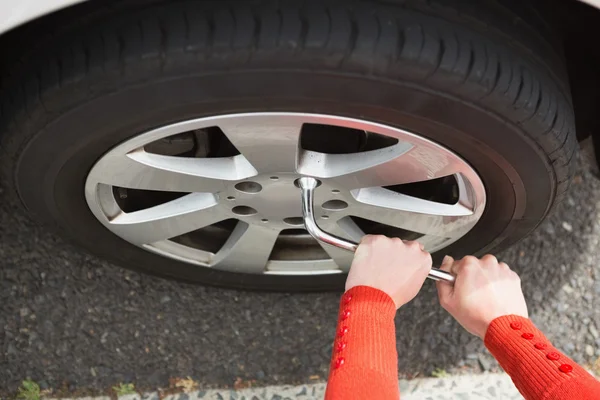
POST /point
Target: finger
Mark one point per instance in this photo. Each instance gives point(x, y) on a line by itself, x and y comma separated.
point(447, 264)
point(411, 244)
point(444, 290)
point(489, 260)
point(458, 266)
point(504, 266)
point(367, 239)
point(427, 261)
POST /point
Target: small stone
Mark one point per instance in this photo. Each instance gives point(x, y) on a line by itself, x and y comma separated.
point(549, 229)
point(93, 372)
point(568, 289)
point(23, 312)
point(11, 350)
point(589, 350)
point(570, 347)
point(593, 331)
point(567, 226)
point(165, 299)
point(538, 296)
point(484, 362)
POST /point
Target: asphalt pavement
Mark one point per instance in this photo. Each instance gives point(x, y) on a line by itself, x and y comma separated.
point(71, 321)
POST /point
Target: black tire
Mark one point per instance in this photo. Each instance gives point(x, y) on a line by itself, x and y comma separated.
point(469, 75)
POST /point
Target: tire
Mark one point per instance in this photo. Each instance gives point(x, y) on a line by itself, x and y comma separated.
point(462, 74)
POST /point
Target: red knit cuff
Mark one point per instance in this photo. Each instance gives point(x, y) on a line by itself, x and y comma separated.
point(507, 323)
point(535, 366)
point(371, 299)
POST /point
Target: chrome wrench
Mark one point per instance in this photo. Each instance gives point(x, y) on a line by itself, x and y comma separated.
point(307, 186)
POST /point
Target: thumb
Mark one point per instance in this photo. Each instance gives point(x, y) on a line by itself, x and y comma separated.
point(444, 290)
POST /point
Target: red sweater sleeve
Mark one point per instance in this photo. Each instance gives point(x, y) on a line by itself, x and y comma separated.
point(364, 363)
point(537, 369)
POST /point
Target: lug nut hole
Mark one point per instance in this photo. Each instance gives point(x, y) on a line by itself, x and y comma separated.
point(294, 221)
point(248, 187)
point(334, 205)
point(298, 185)
point(243, 210)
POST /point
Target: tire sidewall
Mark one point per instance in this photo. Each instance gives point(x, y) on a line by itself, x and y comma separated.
point(51, 170)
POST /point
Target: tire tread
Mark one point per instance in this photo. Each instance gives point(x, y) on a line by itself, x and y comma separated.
point(418, 42)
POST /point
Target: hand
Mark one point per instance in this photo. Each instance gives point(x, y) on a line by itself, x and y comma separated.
point(395, 267)
point(484, 290)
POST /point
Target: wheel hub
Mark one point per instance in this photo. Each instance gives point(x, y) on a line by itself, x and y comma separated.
point(274, 201)
point(394, 183)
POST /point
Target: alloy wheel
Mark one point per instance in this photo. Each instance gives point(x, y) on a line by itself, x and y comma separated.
point(220, 191)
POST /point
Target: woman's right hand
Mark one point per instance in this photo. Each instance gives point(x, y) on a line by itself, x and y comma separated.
point(483, 291)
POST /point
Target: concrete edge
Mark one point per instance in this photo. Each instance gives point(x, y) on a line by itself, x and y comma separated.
point(463, 387)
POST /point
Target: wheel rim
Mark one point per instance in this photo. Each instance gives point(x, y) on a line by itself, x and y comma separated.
point(248, 199)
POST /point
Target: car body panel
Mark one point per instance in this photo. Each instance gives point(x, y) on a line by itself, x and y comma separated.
point(17, 12)
point(593, 3)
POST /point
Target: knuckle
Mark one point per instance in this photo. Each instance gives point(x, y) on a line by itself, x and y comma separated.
point(376, 239)
point(468, 268)
point(489, 259)
point(367, 239)
point(413, 245)
point(470, 261)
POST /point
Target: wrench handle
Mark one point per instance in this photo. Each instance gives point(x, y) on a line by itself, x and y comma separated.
point(308, 186)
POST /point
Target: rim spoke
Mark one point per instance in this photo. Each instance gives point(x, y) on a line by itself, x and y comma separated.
point(411, 213)
point(394, 165)
point(324, 165)
point(347, 229)
point(168, 220)
point(270, 145)
point(142, 170)
point(247, 249)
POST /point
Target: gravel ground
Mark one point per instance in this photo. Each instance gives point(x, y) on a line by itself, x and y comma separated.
point(70, 320)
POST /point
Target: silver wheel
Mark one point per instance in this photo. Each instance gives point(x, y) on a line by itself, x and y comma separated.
point(239, 210)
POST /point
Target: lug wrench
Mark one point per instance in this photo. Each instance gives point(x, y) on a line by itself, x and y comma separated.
point(307, 186)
